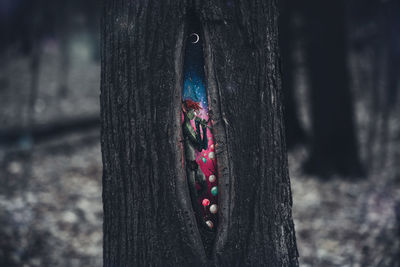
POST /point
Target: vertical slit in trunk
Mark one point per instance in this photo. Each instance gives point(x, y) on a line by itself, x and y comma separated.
point(198, 140)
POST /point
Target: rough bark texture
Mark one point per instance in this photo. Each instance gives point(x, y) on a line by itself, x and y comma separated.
point(334, 144)
point(148, 218)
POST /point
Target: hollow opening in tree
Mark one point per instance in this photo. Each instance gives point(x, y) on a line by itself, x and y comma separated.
point(198, 140)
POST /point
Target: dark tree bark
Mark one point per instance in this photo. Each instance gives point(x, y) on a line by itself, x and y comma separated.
point(334, 146)
point(148, 217)
point(294, 131)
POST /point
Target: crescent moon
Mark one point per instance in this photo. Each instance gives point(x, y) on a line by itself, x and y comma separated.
point(197, 38)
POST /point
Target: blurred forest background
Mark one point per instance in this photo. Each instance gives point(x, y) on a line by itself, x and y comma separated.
point(341, 74)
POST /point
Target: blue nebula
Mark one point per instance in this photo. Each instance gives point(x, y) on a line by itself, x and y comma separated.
point(194, 77)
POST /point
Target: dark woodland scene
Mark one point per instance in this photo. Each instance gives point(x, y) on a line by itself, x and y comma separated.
point(74, 130)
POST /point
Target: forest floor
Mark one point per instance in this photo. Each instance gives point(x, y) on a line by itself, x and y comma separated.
point(340, 222)
point(50, 194)
point(51, 215)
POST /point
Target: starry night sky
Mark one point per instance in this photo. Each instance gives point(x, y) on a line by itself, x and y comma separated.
point(194, 78)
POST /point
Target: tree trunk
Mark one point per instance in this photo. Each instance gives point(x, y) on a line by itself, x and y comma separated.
point(334, 146)
point(148, 216)
point(294, 131)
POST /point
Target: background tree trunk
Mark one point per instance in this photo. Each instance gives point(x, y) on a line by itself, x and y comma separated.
point(148, 218)
point(334, 147)
point(294, 131)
